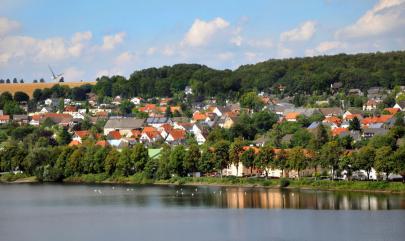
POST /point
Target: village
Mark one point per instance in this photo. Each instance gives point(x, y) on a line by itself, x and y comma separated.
point(159, 122)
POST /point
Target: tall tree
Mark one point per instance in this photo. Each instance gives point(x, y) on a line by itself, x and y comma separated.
point(265, 159)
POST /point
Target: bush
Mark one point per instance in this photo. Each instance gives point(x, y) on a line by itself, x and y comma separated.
point(284, 182)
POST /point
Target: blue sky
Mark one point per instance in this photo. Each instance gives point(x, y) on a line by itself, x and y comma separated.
point(86, 39)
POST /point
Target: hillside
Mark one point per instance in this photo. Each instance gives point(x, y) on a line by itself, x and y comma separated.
point(29, 88)
point(298, 75)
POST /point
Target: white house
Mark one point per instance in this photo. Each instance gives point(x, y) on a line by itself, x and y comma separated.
point(136, 100)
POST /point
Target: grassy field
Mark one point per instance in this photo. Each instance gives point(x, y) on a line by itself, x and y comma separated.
point(29, 88)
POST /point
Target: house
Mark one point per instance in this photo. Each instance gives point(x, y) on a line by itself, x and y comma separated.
point(332, 111)
point(103, 143)
point(230, 121)
point(176, 136)
point(292, 116)
point(371, 104)
point(77, 115)
point(200, 132)
point(376, 119)
point(400, 105)
point(261, 141)
point(150, 134)
point(240, 170)
point(124, 125)
point(333, 121)
point(188, 90)
point(392, 111)
point(136, 100)
point(114, 135)
point(81, 135)
point(70, 109)
point(51, 102)
point(335, 87)
point(370, 132)
point(157, 121)
point(116, 100)
point(198, 116)
point(21, 119)
point(4, 119)
point(355, 92)
point(339, 131)
point(46, 110)
point(74, 143)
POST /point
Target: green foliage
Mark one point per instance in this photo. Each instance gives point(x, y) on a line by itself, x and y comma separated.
point(251, 101)
point(21, 97)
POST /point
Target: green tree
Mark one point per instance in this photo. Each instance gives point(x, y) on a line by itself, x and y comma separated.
point(364, 159)
point(125, 164)
point(297, 160)
point(221, 155)
point(354, 124)
point(20, 96)
point(329, 156)
point(235, 151)
point(140, 156)
point(176, 160)
point(384, 161)
point(192, 158)
point(110, 162)
point(126, 107)
point(265, 159)
point(248, 159)
point(64, 137)
point(252, 101)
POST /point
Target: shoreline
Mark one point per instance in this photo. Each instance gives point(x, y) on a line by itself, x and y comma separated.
point(273, 184)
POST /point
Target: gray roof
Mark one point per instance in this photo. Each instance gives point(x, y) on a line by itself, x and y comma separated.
point(125, 123)
point(20, 117)
point(157, 120)
point(303, 111)
point(375, 131)
point(331, 111)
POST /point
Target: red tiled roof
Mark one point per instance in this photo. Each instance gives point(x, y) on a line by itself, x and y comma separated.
point(351, 116)
point(70, 108)
point(333, 119)
point(392, 111)
point(82, 134)
point(338, 131)
point(74, 143)
point(379, 119)
point(116, 135)
point(199, 116)
point(255, 149)
point(292, 115)
point(4, 117)
point(178, 134)
point(102, 143)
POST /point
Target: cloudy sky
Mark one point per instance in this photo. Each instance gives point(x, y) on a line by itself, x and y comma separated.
point(86, 39)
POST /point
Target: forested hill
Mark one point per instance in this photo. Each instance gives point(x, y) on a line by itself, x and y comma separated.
point(304, 75)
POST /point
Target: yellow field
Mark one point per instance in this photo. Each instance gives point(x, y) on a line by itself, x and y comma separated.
point(29, 88)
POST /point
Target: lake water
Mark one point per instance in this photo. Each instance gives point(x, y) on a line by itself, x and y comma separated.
point(45, 212)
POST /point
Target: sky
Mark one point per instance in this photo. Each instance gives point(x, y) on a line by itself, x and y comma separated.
point(87, 39)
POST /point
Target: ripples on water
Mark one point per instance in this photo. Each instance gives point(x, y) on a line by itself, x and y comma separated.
point(202, 196)
point(171, 213)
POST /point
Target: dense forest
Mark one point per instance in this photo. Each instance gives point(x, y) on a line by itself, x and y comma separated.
point(310, 75)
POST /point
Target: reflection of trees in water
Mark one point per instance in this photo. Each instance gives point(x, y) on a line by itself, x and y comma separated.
point(296, 199)
point(233, 197)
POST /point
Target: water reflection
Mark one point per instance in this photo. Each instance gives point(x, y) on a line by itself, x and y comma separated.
point(189, 196)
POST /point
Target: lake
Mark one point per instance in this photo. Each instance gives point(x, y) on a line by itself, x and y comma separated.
point(45, 212)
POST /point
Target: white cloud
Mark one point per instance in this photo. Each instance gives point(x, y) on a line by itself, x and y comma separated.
point(78, 43)
point(73, 74)
point(124, 58)
point(111, 41)
point(7, 25)
point(386, 16)
point(26, 48)
point(326, 47)
point(284, 52)
point(261, 43)
point(225, 56)
point(202, 32)
point(302, 33)
point(237, 40)
point(151, 51)
point(168, 51)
